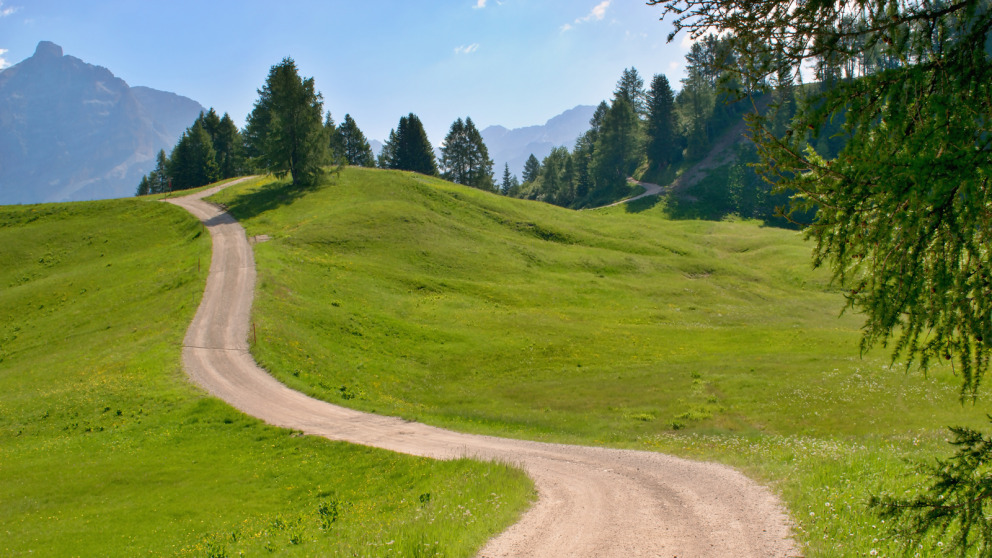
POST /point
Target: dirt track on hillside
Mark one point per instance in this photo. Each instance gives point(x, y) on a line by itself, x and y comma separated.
point(592, 501)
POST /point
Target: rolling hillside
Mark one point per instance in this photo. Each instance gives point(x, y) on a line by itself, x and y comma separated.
point(107, 450)
point(406, 295)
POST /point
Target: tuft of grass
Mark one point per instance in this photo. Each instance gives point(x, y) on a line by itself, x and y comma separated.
point(107, 450)
point(406, 295)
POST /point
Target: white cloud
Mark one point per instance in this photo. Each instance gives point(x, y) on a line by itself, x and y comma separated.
point(480, 4)
point(467, 49)
point(597, 14)
point(3, 61)
point(4, 12)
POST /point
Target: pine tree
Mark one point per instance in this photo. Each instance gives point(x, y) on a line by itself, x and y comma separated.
point(335, 140)
point(618, 146)
point(193, 162)
point(412, 151)
point(285, 133)
point(662, 141)
point(532, 169)
point(228, 146)
point(465, 158)
point(631, 89)
point(388, 154)
point(506, 183)
point(158, 180)
point(357, 151)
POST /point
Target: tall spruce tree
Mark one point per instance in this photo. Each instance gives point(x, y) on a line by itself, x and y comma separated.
point(532, 169)
point(388, 154)
point(465, 158)
point(662, 140)
point(229, 147)
point(412, 150)
point(285, 133)
point(509, 182)
point(357, 150)
point(193, 162)
point(335, 141)
point(630, 88)
point(618, 146)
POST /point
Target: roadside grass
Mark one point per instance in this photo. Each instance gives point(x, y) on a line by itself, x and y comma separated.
point(405, 295)
point(107, 450)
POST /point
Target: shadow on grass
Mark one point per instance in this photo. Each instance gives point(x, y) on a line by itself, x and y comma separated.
point(269, 197)
point(643, 204)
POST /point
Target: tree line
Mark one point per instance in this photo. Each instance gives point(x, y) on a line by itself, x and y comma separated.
point(286, 134)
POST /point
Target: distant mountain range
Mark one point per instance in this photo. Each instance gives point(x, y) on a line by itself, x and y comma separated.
point(73, 131)
point(513, 147)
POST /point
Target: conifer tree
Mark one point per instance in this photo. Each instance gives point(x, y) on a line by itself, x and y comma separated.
point(193, 162)
point(412, 151)
point(631, 89)
point(509, 181)
point(388, 154)
point(465, 158)
point(285, 133)
point(532, 169)
point(335, 141)
point(618, 146)
point(228, 146)
point(357, 150)
point(662, 140)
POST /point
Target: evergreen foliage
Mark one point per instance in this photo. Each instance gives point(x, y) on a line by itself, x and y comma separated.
point(285, 132)
point(464, 157)
point(532, 169)
point(193, 161)
point(197, 157)
point(902, 206)
point(631, 89)
point(617, 150)
point(409, 149)
point(509, 182)
point(662, 141)
point(335, 140)
point(357, 150)
point(958, 501)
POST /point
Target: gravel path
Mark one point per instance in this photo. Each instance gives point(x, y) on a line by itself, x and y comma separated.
point(591, 501)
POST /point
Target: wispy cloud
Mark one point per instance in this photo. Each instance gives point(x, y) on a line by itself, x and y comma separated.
point(3, 61)
point(480, 4)
point(10, 10)
point(596, 14)
point(467, 49)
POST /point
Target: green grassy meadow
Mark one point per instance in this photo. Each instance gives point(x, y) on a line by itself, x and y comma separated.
point(107, 450)
point(406, 295)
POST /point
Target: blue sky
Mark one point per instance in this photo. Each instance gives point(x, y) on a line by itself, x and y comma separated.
point(509, 62)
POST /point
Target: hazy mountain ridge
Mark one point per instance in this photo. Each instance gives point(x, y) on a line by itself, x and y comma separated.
point(514, 146)
point(70, 130)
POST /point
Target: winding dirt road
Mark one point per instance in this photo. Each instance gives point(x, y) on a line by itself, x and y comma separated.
point(591, 501)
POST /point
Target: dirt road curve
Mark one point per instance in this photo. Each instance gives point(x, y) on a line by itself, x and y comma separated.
point(592, 501)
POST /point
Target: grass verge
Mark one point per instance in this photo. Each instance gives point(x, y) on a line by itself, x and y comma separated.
point(106, 449)
point(406, 295)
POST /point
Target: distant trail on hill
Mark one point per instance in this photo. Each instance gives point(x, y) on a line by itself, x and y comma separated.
point(591, 501)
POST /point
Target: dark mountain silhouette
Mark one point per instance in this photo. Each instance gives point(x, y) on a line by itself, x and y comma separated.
point(513, 147)
point(73, 131)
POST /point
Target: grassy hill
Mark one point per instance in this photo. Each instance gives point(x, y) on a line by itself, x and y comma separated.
point(107, 450)
point(409, 296)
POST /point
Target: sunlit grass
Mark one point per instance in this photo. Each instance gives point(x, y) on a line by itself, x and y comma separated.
point(405, 295)
point(107, 450)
